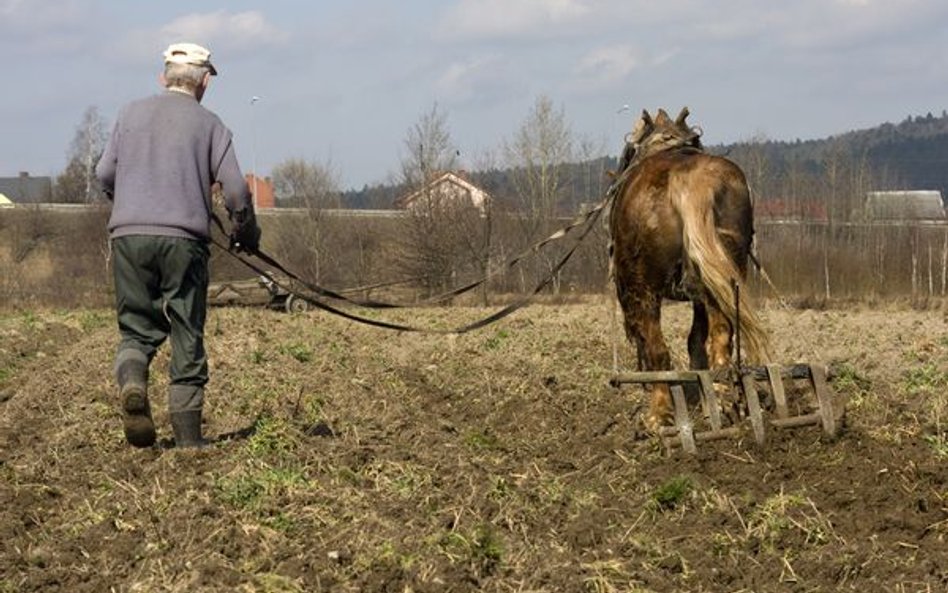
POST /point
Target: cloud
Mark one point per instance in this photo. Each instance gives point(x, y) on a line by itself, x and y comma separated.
point(42, 14)
point(234, 31)
point(19, 13)
point(509, 18)
point(455, 80)
point(44, 27)
point(804, 24)
point(479, 77)
point(220, 31)
point(9, 7)
point(860, 23)
point(611, 67)
point(814, 25)
point(611, 63)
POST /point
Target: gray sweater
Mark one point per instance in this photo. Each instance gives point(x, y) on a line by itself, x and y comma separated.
point(158, 166)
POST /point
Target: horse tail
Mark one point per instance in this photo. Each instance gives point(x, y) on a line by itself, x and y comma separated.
point(709, 255)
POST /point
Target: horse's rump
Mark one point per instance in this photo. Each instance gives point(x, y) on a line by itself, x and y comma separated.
point(683, 224)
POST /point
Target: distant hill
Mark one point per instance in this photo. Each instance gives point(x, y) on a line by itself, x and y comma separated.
point(912, 154)
point(916, 150)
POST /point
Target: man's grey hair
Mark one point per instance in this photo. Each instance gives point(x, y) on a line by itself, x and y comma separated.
point(185, 76)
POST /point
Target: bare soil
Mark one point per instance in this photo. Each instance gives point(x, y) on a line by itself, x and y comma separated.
point(355, 459)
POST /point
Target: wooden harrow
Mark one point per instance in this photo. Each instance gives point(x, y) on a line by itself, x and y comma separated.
point(781, 408)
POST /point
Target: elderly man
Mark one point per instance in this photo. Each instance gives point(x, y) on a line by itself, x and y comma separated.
point(164, 154)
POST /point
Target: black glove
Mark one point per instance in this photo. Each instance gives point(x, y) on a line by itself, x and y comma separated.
point(245, 234)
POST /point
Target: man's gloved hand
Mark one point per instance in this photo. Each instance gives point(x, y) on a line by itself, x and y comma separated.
point(246, 239)
point(245, 235)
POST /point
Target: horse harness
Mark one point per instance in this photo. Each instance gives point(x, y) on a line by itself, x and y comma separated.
point(318, 294)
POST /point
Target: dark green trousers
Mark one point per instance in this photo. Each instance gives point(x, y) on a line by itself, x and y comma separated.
point(161, 290)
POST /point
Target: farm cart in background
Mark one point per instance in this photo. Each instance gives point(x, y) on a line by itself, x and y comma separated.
point(255, 292)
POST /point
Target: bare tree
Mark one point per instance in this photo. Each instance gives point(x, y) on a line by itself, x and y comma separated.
point(70, 186)
point(305, 184)
point(757, 166)
point(831, 166)
point(77, 182)
point(430, 150)
point(441, 242)
point(314, 187)
point(592, 168)
point(445, 235)
point(538, 155)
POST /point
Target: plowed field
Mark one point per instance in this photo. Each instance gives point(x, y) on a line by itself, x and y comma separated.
point(349, 458)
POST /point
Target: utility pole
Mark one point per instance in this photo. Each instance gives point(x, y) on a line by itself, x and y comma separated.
point(253, 149)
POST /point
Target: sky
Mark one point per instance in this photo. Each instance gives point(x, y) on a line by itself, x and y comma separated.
point(341, 82)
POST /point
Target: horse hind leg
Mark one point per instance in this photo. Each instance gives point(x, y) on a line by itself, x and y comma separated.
point(697, 348)
point(709, 347)
point(643, 326)
point(719, 338)
point(719, 348)
point(698, 336)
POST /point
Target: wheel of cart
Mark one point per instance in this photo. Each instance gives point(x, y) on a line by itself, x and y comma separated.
point(295, 304)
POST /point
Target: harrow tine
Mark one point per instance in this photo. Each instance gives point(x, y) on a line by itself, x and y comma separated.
point(709, 401)
point(753, 408)
point(827, 413)
point(683, 420)
point(776, 386)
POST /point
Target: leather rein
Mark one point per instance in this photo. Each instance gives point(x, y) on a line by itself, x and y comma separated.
point(317, 295)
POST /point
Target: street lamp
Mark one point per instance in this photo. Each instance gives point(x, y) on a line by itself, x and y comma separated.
point(253, 148)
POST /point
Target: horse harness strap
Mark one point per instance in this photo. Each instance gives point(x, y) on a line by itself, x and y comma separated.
point(318, 291)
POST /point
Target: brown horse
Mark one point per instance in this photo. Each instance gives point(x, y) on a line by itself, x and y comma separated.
point(682, 227)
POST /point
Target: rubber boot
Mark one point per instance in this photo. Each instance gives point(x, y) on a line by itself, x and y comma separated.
point(132, 377)
point(187, 430)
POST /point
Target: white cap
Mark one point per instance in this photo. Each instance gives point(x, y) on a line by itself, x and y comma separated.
point(189, 53)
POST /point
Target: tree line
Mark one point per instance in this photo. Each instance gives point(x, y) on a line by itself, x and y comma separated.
point(544, 174)
point(546, 165)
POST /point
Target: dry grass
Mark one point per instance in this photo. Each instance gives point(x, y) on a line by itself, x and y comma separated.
point(500, 460)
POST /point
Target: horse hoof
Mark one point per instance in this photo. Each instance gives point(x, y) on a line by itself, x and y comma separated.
point(654, 421)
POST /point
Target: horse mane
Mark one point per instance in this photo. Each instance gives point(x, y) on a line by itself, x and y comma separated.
point(650, 136)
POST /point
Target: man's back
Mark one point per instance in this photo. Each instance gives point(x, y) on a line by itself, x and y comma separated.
point(167, 151)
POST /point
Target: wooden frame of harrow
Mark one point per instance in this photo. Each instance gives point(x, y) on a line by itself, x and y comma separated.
point(829, 412)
